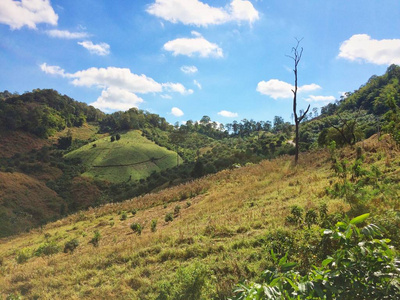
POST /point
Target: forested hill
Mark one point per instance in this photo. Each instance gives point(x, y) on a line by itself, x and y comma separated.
point(43, 112)
point(357, 115)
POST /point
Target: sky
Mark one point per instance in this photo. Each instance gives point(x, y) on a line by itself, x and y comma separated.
point(183, 59)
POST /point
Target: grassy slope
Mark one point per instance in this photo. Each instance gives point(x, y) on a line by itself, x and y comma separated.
point(25, 202)
point(13, 142)
point(224, 228)
point(132, 150)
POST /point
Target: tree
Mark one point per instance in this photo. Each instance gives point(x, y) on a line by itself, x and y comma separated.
point(297, 53)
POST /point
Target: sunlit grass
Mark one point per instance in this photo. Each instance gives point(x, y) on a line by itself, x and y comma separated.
point(224, 228)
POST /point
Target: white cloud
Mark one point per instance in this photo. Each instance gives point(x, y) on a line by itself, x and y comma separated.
point(191, 46)
point(122, 78)
point(17, 14)
point(189, 69)
point(176, 87)
point(176, 112)
point(53, 70)
point(114, 98)
point(312, 98)
point(119, 85)
point(166, 96)
point(362, 48)
point(195, 12)
point(99, 49)
point(243, 11)
point(65, 34)
point(279, 89)
point(228, 114)
point(196, 83)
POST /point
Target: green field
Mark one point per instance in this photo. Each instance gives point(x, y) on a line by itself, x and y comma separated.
point(131, 158)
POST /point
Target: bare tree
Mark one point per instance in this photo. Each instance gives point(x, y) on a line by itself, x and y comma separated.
point(296, 56)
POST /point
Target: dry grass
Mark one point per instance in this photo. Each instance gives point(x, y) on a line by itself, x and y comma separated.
point(228, 214)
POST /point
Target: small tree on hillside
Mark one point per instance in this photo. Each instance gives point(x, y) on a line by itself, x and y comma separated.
point(296, 56)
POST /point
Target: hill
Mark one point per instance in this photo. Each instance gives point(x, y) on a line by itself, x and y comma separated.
point(197, 240)
point(130, 157)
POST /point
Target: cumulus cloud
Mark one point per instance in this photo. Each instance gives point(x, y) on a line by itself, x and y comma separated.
point(114, 98)
point(193, 46)
point(196, 83)
point(177, 87)
point(362, 48)
point(189, 69)
point(176, 112)
point(17, 14)
point(279, 89)
point(52, 70)
point(119, 85)
point(65, 34)
point(228, 114)
point(195, 12)
point(99, 49)
point(312, 98)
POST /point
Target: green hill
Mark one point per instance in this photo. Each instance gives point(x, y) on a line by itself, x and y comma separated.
point(132, 157)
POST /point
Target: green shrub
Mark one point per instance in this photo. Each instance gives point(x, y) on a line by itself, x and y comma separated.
point(22, 255)
point(124, 216)
point(362, 265)
point(96, 239)
point(177, 209)
point(153, 225)
point(47, 249)
point(137, 228)
point(71, 245)
point(169, 217)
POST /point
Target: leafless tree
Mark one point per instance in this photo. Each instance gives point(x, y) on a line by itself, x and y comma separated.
point(296, 56)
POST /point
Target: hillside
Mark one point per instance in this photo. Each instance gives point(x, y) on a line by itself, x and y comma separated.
point(220, 230)
point(132, 157)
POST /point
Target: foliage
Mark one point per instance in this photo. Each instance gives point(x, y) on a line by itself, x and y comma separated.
point(136, 228)
point(71, 245)
point(96, 238)
point(153, 225)
point(362, 266)
point(48, 248)
point(169, 217)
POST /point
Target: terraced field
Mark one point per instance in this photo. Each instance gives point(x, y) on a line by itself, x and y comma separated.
point(131, 158)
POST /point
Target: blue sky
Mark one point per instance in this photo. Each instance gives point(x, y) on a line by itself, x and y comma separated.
point(183, 59)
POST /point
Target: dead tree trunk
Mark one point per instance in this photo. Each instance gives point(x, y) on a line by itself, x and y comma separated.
point(297, 118)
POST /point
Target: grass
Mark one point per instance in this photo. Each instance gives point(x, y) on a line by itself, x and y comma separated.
point(235, 217)
point(133, 157)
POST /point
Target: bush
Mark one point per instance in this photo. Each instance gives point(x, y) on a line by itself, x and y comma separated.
point(177, 209)
point(47, 249)
point(71, 245)
point(22, 256)
point(153, 225)
point(361, 266)
point(124, 216)
point(96, 239)
point(137, 228)
point(169, 217)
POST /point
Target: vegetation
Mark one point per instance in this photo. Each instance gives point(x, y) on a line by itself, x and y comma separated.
point(237, 219)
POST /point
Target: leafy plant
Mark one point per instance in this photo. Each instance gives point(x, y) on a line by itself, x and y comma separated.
point(137, 228)
point(169, 217)
point(362, 266)
point(71, 245)
point(96, 239)
point(153, 225)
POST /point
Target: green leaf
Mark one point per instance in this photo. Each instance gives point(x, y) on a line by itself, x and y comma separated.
point(359, 219)
point(288, 266)
point(327, 261)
